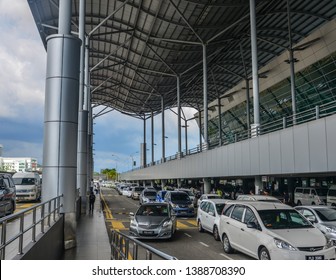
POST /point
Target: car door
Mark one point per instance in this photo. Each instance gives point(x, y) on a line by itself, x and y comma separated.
point(233, 226)
point(249, 236)
point(202, 213)
point(209, 217)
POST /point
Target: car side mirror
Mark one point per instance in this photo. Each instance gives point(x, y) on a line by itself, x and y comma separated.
point(311, 219)
point(252, 225)
point(131, 214)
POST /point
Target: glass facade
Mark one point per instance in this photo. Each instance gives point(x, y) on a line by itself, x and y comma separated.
point(315, 86)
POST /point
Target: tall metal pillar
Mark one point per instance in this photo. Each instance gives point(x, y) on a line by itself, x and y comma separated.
point(163, 130)
point(82, 116)
point(179, 152)
point(248, 113)
point(219, 122)
point(143, 149)
point(88, 110)
point(186, 135)
point(291, 63)
point(256, 125)
point(61, 121)
point(152, 136)
point(205, 97)
point(207, 185)
point(200, 129)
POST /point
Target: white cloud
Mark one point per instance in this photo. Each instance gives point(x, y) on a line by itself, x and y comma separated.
point(22, 60)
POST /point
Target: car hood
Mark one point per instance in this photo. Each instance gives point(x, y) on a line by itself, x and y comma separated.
point(304, 237)
point(331, 223)
point(150, 221)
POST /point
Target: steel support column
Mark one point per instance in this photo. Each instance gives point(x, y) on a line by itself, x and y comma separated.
point(254, 50)
point(219, 122)
point(152, 136)
point(82, 116)
point(179, 151)
point(205, 97)
point(163, 130)
point(61, 121)
point(291, 63)
point(200, 129)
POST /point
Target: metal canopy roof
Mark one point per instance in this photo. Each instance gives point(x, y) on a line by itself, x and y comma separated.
point(141, 45)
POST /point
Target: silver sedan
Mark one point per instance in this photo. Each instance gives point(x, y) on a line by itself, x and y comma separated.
point(323, 217)
point(153, 221)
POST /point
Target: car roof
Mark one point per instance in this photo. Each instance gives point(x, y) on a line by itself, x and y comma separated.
point(315, 206)
point(259, 197)
point(261, 205)
point(216, 201)
point(154, 204)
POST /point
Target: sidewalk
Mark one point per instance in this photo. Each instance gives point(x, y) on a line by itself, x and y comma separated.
point(92, 238)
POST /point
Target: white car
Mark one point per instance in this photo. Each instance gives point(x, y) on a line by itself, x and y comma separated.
point(207, 196)
point(208, 214)
point(258, 197)
point(265, 231)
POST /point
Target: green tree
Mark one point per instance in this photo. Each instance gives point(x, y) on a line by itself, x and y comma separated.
point(111, 174)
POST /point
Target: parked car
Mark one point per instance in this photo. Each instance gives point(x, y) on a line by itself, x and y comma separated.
point(136, 192)
point(258, 197)
point(267, 231)
point(28, 186)
point(7, 194)
point(208, 214)
point(147, 195)
point(180, 202)
point(160, 196)
point(308, 196)
point(323, 217)
point(189, 192)
point(207, 196)
point(331, 196)
point(153, 221)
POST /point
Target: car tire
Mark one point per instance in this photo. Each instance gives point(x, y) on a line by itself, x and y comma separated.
point(226, 245)
point(199, 225)
point(216, 233)
point(264, 254)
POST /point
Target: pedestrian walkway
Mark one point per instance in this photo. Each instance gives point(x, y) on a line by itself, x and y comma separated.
point(92, 237)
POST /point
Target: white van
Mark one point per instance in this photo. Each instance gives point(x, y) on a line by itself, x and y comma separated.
point(331, 196)
point(28, 186)
point(308, 196)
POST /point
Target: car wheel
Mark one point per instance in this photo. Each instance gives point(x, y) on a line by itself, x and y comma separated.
point(200, 228)
point(264, 254)
point(226, 245)
point(216, 233)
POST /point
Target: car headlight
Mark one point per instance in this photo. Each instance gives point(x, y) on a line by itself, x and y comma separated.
point(174, 205)
point(330, 243)
point(283, 245)
point(191, 206)
point(167, 224)
point(133, 223)
point(331, 229)
point(145, 199)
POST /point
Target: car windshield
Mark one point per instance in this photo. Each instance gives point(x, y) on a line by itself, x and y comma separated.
point(179, 196)
point(219, 208)
point(150, 193)
point(138, 189)
point(24, 181)
point(153, 210)
point(283, 219)
point(326, 214)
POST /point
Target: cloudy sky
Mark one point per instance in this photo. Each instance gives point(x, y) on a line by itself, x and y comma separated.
point(22, 85)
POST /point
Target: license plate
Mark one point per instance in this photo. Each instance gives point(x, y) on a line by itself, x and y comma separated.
point(315, 257)
point(148, 232)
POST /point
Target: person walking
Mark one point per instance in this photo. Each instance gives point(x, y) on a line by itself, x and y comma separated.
point(92, 199)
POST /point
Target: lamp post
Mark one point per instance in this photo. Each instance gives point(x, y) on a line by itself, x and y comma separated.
point(132, 157)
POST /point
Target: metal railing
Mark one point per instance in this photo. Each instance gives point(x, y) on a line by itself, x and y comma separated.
point(125, 247)
point(48, 212)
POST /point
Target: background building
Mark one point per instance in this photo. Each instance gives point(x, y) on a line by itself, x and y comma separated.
point(18, 164)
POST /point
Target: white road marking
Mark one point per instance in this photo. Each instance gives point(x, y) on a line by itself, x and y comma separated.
point(206, 245)
point(225, 256)
point(188, 235)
